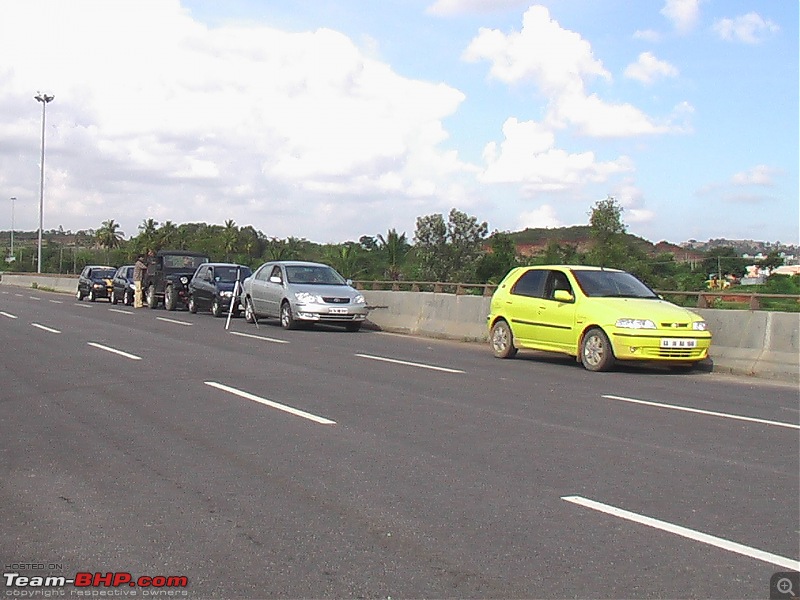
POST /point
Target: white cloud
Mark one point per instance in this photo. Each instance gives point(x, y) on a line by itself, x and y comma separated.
point(456, 7)
point(647, 35)
point(528, 156)
point(559, 62)
point(647, 69)
point(631, 199)
point(684, 14)
point(751, 28)
point(761, 175)
point(544, 216)
point(554, 58)
point(157, 115)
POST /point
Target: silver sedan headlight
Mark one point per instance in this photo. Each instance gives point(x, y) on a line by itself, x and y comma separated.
point(306, 298)
point(635, 324)
point(359, 299)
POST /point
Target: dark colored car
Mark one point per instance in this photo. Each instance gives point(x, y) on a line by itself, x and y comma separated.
point(212, 288)
point(122, 285)
point(167, 277)
point(95, 282)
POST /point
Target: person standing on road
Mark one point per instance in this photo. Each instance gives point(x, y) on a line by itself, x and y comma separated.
point(138, 275)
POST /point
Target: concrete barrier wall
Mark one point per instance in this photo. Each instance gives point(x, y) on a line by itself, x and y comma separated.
point(760, 343)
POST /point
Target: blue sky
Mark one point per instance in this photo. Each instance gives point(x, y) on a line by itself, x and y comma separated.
point(330, 120)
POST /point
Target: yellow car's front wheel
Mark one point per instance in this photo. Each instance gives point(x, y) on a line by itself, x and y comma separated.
point(502, 340)
point(596, 352)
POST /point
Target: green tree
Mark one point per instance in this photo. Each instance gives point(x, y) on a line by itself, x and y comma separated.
point(393, 249)
point(230, 238)
point(724, 260)
point(345, 258)
point(148, 235)
point(502, 257)
point(607, 229)
point(771, 261)
point(167, 235)
point(449, 251)
point(108, 235)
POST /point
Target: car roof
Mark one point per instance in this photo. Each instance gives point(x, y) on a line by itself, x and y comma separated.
point(573, 268)
point(296, 263)
point(99, 267)
point(223, 264)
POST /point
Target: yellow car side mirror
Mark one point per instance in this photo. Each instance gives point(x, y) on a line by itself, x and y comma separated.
point(563, 296)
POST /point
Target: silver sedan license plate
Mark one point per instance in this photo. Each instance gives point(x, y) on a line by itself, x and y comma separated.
point(337, 311)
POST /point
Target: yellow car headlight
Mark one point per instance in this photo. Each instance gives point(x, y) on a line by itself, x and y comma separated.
point(635, 324)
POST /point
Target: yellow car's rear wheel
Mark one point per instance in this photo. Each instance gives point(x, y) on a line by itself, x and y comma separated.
point(502, 340)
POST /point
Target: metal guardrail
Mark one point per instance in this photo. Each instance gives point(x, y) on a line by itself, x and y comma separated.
point(704, 299)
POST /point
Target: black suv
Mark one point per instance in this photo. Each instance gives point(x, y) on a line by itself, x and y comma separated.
point(167, 277)
point(213, 285)
point(95, 282)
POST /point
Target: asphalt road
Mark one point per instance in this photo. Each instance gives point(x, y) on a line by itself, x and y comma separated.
point(263, 463)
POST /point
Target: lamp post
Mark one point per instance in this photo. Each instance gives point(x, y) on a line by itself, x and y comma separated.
point(44, 99)
point(13, 198)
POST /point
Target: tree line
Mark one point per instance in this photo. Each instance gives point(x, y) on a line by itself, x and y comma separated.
point(452, 248)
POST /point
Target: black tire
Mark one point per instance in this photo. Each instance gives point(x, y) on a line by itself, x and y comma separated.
point(150, 295)
point(249, 312)
point(127, 299)
point(170, 298)
point(216, 308)
point(502, 340)
point(192, 305)
point(287, 318)
point(353, 327)
point(114, 300)
point(596, 351)
point(92, 296)
point(78, 295)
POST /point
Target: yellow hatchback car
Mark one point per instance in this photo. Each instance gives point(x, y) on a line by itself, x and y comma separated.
point(596, 314)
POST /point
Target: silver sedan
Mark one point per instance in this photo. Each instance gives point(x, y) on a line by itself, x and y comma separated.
point(302, 292)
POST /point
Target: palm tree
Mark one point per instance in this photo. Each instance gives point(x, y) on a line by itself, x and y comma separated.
point(167, 234)
point(148, 232)
point(395, 247)
point(109, 236)
point(230, 238)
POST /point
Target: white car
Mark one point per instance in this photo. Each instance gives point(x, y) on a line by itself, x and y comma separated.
point(302, 292)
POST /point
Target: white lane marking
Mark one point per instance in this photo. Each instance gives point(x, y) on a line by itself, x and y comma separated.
point(774, 559)
point(409, 364)
point(270, 403)
point(174, 321)
point(19, 295)
point(43, 328)
point(260, 337)
point(122, 312)
point(703, 412)
point(9, 315)
point(83, 305)
point(115, 351)
point(33, 298)
point(56, 301)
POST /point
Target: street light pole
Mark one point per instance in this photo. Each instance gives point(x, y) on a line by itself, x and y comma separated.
point(44, 99)
point(13, 198)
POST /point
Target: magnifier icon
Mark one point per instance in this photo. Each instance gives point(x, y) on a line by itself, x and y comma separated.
point(784, 586)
